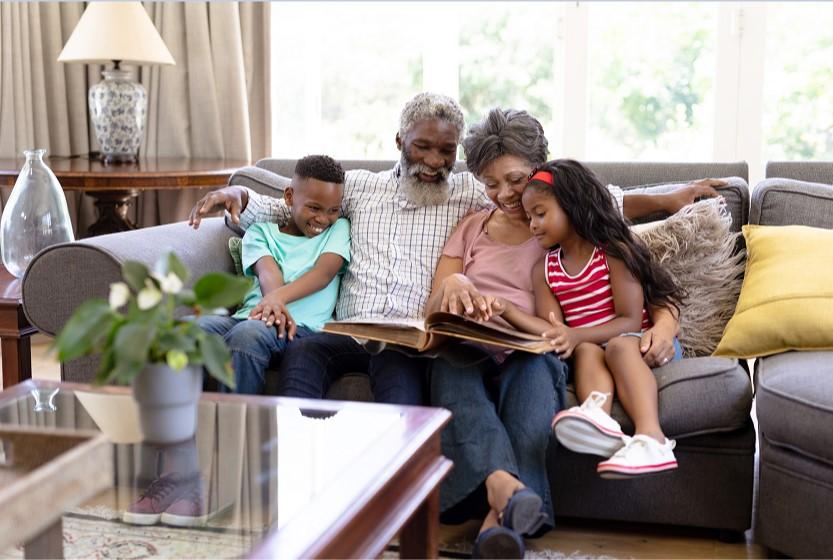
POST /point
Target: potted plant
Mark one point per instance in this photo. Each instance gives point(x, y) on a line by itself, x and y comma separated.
point(142, 343)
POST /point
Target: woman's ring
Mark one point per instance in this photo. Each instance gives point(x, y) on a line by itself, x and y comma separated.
point(665, 361)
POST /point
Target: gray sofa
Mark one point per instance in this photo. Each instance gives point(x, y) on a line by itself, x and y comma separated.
point(705, 402)
point(794, 391)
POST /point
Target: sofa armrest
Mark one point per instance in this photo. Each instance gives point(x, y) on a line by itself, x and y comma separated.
point(736, 194)
point(260, 180)
point(784, 202)
point(62, 277)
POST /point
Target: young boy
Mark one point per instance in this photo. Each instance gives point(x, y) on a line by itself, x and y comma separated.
point(296, 269)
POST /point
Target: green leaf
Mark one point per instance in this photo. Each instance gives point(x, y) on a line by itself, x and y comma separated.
point(132, 345)
point(169, 262)
point(85, 328)
point(219, 289)
point(186, 297)
point(124, 373)
point(135, 274)
point(216, 358)
point(174, 340)
point(106, 367)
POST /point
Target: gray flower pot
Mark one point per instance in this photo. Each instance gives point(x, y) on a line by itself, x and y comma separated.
point(167, 402)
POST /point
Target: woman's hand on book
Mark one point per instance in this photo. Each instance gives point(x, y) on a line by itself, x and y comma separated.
point(462, 298)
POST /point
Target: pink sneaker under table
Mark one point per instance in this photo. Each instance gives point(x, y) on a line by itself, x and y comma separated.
point(158, 497)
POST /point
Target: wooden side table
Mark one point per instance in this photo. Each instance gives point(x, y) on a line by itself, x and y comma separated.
point(15, 330)
point(114, 186)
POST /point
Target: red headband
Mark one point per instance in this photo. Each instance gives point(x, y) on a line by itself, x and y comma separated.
point(544, 177)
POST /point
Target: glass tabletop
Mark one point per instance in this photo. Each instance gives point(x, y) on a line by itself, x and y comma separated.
point(253, 466)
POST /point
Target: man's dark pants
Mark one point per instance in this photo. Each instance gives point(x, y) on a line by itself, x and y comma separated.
point(313, 363)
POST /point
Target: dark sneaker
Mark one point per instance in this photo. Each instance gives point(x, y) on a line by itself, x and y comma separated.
point(190, 509)
point(158, 497)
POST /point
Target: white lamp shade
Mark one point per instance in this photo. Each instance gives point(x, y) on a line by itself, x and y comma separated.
point(115, 31)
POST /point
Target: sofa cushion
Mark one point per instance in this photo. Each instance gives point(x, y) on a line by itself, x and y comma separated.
point(696, 396)
point(795, 402)
point(698, 249)
point(786, 302)
point(235, 249)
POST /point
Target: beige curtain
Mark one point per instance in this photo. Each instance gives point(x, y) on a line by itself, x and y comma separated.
point(213, 103)
point(43, 103)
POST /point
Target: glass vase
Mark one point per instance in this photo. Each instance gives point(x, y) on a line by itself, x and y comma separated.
point(35, 216)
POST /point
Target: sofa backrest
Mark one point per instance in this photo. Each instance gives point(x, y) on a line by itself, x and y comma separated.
point(621, 173)
point(794, 193)
point(647, 176)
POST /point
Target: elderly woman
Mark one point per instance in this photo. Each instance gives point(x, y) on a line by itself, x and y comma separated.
point(503, 403)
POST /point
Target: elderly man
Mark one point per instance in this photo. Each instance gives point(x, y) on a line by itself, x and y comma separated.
point(400, 220)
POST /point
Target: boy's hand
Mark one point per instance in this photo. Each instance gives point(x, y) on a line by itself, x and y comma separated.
point(562, 338)
point(272, 310)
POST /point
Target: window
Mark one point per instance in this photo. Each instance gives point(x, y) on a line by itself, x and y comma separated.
point(341, 73)
point(506, 60)
point(609, 81)
point(650, 71)
point(798, 92)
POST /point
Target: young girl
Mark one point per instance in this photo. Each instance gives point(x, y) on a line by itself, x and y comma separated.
point(594, 286)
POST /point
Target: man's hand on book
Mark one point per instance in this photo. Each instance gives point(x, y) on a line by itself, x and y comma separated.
point(562, 338)
point(272, 310)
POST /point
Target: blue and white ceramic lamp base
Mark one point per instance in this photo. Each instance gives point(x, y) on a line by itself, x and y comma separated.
point(118, 106)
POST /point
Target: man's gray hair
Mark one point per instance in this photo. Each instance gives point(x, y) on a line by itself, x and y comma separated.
point(504, 131)
point(426, 106)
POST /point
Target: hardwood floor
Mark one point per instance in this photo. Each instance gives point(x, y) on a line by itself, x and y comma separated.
point(573, 538)
point(577, 538)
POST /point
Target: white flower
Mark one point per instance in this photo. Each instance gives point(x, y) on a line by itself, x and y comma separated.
point(170, 284)
point(119, 293)
point(149, 296)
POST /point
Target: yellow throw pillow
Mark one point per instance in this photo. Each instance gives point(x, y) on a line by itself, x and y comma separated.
point(786, 302)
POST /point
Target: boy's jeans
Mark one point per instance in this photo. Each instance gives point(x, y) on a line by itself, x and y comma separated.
point(253, 346)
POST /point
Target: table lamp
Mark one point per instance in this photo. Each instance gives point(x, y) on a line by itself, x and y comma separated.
point(121, 32)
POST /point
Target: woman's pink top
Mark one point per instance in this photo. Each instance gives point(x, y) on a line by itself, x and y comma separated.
point(495, 268)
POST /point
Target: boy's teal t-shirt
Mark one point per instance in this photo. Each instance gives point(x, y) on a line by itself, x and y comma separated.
point(295, 255)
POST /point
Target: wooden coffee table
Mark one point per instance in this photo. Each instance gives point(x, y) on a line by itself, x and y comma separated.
point(15, 330)
point(285, 478)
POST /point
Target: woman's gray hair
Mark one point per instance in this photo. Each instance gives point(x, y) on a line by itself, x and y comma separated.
point(504, 131)
point(425, 106)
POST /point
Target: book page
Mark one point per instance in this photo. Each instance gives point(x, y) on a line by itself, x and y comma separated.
point(418, 324)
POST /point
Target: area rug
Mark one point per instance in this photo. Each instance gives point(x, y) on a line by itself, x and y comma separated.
point(99, 533)
point(101, 536)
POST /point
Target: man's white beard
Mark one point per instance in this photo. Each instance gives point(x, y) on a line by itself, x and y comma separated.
point(418, 192)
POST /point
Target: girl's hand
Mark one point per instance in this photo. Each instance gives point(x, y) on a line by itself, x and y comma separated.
point(562, 338)
point(657, 345)
point(497, 305)
point(272, 310)
point(462, 298)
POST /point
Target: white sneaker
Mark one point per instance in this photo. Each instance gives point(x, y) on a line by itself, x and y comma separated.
point(641, 455)
point(588, 428)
